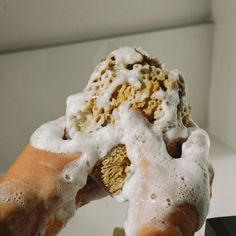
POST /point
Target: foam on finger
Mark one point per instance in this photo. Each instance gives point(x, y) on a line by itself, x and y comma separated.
point(197, 144)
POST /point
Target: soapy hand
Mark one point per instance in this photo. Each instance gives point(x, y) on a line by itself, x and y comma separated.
point(167, 196)
point(32, 198)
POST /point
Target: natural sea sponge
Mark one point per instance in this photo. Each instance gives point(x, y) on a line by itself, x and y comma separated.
point(106, 83)
point(111, 171)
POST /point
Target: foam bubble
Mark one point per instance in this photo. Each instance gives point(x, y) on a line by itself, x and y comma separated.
point(10, 193)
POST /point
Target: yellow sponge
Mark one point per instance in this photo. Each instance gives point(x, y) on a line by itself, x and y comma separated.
point(111, 171)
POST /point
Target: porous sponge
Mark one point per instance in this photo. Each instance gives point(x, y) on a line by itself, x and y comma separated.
point(111, 171)
point(147, 77)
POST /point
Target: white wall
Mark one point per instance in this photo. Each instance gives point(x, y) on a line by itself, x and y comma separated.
point(34, 84)
point(27, 23)
point(222, 115)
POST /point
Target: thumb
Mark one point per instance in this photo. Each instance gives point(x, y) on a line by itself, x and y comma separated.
point(139, 135)
point(197, 144)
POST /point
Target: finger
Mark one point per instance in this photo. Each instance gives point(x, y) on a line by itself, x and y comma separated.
point(138, 134)
point(54, 226)
point(49, 136)
point(182, 221)
point(91, 191)
point(197, 144)
point(37, 168)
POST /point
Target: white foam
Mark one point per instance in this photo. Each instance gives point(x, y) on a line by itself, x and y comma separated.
point(126, 55)
point(125, 76)
point(184, 180)
point(11, 193)
point(150, 162)
point(152, 172)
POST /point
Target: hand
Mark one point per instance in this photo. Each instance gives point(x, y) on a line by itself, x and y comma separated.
point(169, 196)
point(30, 203)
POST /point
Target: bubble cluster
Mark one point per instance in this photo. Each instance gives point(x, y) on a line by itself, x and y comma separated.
point(10, 193)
